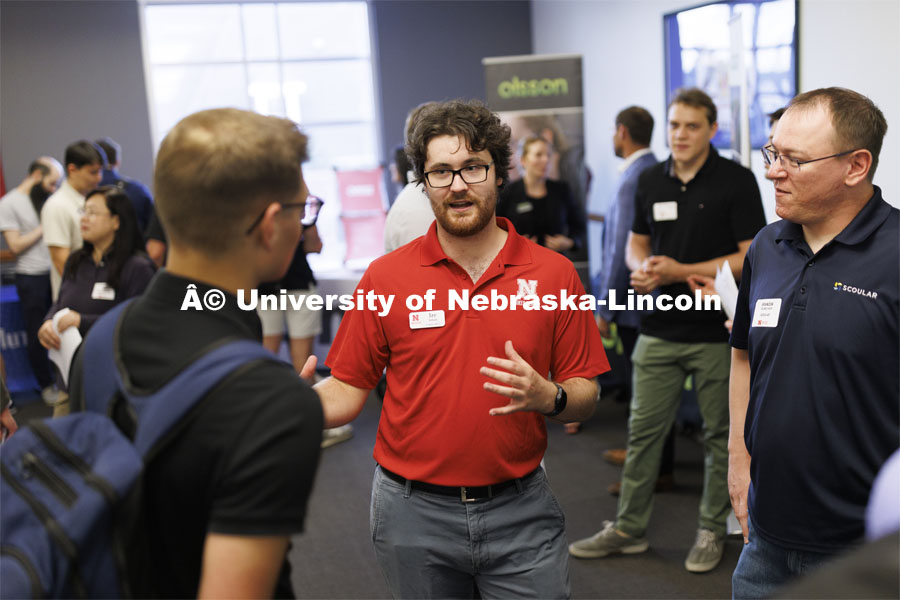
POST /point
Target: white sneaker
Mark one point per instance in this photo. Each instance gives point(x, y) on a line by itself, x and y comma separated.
point(330, 437)
point(608, 541)
point(50, 395)
point(706, 552)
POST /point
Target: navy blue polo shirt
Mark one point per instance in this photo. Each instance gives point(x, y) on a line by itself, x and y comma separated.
point(824, 385)
point(718, 208)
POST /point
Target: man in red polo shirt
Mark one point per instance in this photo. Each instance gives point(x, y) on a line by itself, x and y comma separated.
point(459, 500)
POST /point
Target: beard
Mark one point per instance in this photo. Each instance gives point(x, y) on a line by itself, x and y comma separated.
point(474, 221)
point(38, 196)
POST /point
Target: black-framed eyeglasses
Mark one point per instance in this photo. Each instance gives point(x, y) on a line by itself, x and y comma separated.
point(441, 178)
point(307, 217)
point(770, 154)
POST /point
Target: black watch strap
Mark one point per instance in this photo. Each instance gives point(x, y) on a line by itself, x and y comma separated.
point(560, 402)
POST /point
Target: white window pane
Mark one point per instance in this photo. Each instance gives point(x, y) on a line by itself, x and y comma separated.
point(181, 90)
point(264, 89)
point(323, 29)
point(776, 23)
point(260, 31)
point(342, 146)
point(194, 33)
point(329, 91)
point(705, 27)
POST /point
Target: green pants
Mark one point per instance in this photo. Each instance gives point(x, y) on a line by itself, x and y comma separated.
point(660, 368)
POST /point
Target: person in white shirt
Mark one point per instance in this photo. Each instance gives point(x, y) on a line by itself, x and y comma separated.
point(21, 227)
point(61, 215)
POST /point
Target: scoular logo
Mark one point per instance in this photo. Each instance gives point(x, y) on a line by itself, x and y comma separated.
point(842, 287)
point(527, 88)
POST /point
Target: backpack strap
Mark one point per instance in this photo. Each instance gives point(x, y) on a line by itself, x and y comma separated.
point(157, 412)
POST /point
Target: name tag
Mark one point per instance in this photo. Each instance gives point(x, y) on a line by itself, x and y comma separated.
point(102, 291)
point(524, 207)
point(766, 312)
point(426, 319)
point(665, 211)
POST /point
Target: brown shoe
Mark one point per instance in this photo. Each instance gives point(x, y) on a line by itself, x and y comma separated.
point(616, 456)
point(665, 483)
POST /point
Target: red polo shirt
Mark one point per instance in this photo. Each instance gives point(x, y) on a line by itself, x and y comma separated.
point(435, 425)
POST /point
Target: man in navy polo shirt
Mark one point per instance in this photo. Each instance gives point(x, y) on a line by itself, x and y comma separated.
point(814, 382)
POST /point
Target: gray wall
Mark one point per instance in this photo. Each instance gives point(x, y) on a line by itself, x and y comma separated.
point(430, 51)
point(70, 71)
point(73, 69)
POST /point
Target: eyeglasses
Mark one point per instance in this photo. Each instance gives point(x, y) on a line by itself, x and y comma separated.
point(311, 207)
point(441, 178)
point(770, 154)
point(93, 213)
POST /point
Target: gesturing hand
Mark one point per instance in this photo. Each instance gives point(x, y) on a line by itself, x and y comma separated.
point(524, 387)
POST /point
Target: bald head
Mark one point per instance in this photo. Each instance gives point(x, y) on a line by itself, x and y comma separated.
point(44, 170)
point(217, 168)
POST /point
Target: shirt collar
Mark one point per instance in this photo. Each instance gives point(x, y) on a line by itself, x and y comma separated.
point(170, 289)
point(514, 252)
point(708, 164)
point(866, 221)
point(632, 158)
point(71, 193)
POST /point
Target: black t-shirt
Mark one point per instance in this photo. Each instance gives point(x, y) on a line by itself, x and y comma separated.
point(554, 214)
point(244, 465)
point(714, 211)
point(154, 229)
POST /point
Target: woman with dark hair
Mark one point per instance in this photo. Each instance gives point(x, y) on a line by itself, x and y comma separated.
point(108, 269)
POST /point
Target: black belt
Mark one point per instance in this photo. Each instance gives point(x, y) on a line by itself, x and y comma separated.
point(465, 494)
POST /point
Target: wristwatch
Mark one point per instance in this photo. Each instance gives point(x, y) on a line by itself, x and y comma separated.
point(559, 404)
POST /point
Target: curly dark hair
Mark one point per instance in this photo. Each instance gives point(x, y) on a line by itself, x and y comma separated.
point(471, 119)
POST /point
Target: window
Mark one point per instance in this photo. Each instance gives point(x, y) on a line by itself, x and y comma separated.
point(307, 61)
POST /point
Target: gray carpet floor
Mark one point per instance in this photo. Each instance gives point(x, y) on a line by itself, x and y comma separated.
point(333, 558)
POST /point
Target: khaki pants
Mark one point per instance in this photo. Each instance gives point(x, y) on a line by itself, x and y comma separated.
point(660, 368)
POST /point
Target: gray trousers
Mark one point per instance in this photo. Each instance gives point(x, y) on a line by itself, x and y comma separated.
point(433, 546)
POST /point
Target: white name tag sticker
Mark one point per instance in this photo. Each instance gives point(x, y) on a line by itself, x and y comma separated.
point(524, 207)
point(665, 211)
point(766, 312)
point(102, 291)
point(426, 319)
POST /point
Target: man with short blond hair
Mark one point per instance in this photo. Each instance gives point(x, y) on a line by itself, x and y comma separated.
point(814, 380)
point(222, 499)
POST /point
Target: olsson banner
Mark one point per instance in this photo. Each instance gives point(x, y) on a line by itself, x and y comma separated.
point(541, 95)
point(533, 82)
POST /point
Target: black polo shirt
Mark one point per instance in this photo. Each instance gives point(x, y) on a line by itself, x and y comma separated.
point(824, 385)
point(714, 211)
point(244, 465)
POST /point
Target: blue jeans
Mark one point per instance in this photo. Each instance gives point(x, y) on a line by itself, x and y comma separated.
point(510, 546)
point(764, 567)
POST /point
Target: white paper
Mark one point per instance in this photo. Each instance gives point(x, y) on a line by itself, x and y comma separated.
point(727, 289)
point(69, 340)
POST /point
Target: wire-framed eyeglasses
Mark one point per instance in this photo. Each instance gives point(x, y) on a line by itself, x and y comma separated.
point(307, 217)
point(770, 154)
